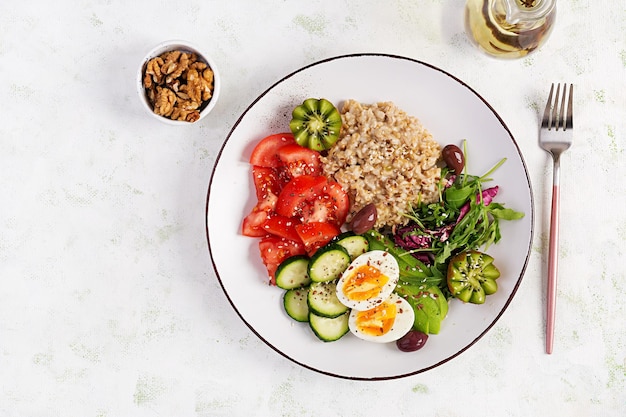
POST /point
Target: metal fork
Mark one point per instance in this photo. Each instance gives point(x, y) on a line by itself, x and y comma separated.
point(555, 137)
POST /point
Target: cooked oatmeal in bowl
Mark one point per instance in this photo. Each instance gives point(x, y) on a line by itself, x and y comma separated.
point(386, 157)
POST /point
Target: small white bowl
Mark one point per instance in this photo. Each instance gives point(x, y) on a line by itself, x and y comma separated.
point(180, 45)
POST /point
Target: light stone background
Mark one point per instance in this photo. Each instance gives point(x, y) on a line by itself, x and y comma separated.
point(109, 305)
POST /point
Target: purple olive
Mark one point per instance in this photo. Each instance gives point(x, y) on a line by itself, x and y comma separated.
point(412, 341)
point(364, 219)
point(453, 157)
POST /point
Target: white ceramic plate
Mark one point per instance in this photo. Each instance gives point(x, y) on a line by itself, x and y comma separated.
point(452, 111)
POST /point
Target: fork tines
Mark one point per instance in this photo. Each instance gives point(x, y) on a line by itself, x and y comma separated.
point(554, 116)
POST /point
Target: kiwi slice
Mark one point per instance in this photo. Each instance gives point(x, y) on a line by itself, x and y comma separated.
point(316, 124)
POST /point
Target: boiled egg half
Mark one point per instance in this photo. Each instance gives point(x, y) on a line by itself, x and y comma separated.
point(369, 280)
point(387, 322)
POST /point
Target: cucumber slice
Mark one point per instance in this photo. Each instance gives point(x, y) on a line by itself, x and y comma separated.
point(293, 273)
point(316, 124)
point(323, 301)
point(328, 263)
point(354, 244)
point(327, 329)
point(295, 303)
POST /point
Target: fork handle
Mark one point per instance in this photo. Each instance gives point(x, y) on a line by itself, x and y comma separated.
point(553, 258)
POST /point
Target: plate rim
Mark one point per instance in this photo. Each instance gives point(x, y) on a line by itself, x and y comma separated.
point(526, 173)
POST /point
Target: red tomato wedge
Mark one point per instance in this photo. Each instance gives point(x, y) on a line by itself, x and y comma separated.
point(274, 250)
point(265, 152)
point(314, 199)
point(298, 193)
point(339, 200)
point(253, 223)
point(281, 226)
point(314, 235)
point(267, 185)
point(266, 181)
point(298, 160)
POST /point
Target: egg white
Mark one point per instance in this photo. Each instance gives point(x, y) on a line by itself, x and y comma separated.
point(387, 265)
point(405, 316)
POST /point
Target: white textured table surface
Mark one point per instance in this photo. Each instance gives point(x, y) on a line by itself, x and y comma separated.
point(109, 305)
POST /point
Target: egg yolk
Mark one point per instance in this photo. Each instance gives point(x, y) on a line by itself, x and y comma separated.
point(364, 283)
point(378, 320)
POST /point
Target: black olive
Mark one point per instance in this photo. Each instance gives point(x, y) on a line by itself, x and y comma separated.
point(453, 157)
point(365, 219)
point(412, 341)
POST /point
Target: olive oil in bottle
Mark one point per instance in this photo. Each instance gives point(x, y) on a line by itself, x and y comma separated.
point(509, 28)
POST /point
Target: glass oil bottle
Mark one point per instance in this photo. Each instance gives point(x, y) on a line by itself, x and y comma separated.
point(509, 28)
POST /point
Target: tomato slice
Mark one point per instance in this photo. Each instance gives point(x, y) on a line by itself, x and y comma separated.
point(298, 160)
point(314, 235)
point(297, 193)
point(275, 250)
point(268, 182)
point(281, 226)
point(337, 199)
point(253, 223)
point(314, 199)
point(265, 152)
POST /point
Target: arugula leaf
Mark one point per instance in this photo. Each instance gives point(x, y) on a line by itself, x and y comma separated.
point(498, 211)
point(456, 196)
